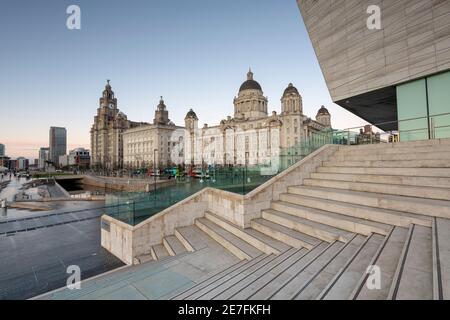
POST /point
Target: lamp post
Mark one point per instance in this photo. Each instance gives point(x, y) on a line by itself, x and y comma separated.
point(247, 154)
point(154, 171)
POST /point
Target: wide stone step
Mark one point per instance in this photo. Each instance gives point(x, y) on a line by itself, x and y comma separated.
point(233, 288)
point(413, 279)
point(234, 244)
point(251, 265)
point(218, 289)
point(210, 279)
point(280, 276)
point(209, 284)
point(173, 245)
point(314, 285)
point(191, 238)
point(289, 289)
point(145, 258)
point(393, 189)
point(344, 222)
point(345, 281)
point(311, 228)
point(256, 284)
point(415, 172)
point(90, 287)
point(342, 156)
point(442, 163)
point(286, 235)
point(405, 145)
point(388, 179)
point(430, 207)
point(159, 252)
point(196, 238)
point(397, 218)
point(255, 238)
point(397, 149)
point(441, 263)
point(386, 259)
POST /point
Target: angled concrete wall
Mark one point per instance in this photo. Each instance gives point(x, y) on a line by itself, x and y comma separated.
point(414, 41)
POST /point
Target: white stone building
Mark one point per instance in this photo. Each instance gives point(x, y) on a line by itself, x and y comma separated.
point(252, 136)
point(161, 142)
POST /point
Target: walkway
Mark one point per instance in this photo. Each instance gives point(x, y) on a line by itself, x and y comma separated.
point(37, 247)
point(153, 280)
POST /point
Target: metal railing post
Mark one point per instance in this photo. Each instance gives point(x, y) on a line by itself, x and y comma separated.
point(432, 128)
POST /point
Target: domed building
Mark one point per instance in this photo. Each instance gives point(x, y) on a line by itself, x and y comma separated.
point(250, 103)
point(253, 136)
point(323, 117)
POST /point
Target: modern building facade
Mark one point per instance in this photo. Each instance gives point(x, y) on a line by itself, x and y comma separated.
point(252, 136)
point(44, 157)
point(2, 150)
point(5, 161)
point(57, 143)
point(21, 164)
point(396, 76)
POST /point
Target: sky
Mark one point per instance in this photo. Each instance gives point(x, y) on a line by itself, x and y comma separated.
point(194, 53)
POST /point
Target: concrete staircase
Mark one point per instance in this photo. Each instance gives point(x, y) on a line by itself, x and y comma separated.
point(386, 206)
point(170, 247)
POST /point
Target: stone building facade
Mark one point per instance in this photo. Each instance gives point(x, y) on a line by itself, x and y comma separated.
point(252, 136)
point(106, 132)
point(161, 142)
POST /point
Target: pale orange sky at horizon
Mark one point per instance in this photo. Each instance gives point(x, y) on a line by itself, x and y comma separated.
point(30, 150)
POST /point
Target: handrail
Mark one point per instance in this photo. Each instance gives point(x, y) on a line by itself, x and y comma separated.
point(397, 121)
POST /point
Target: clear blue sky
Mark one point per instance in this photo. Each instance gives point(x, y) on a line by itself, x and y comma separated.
point(195, 53)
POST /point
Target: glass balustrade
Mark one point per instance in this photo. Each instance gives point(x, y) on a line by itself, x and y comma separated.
point(135, 207)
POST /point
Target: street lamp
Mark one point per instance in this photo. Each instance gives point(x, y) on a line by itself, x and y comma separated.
point(154, 171)
point(244, 176)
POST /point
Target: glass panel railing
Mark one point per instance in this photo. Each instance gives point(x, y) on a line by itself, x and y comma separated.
point(133, 208)
point(440, 126)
